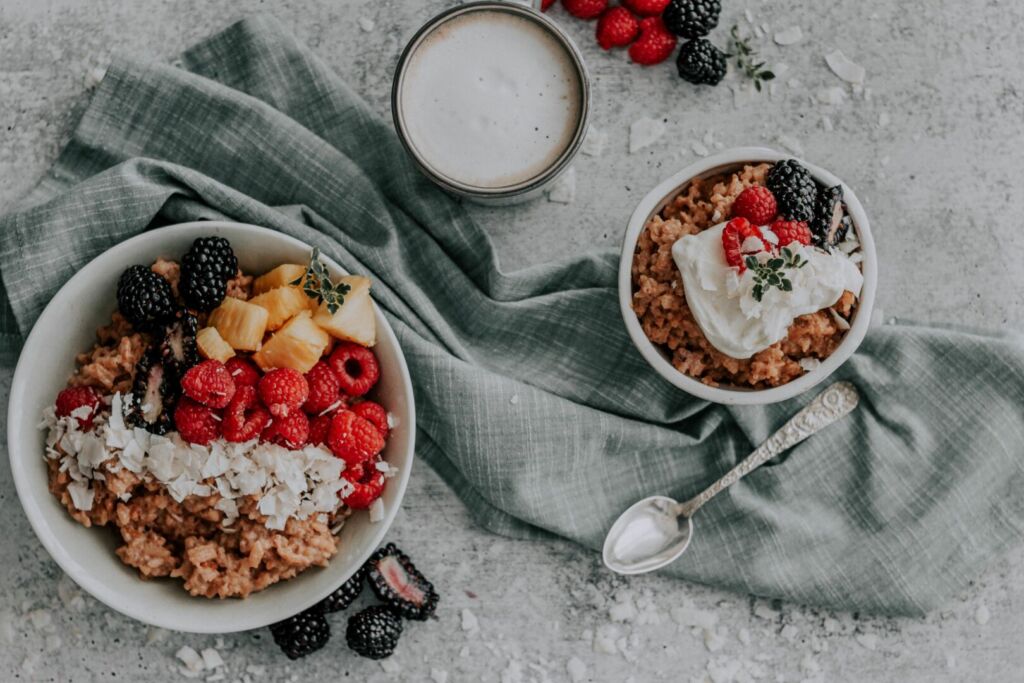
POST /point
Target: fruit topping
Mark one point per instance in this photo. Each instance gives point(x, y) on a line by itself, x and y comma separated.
point(353, 439)
point(281, 304)
point(791, 231)
point(209, 383)
point(178, 343)
point(757, 204)
point(374, 632)
point(144, 298)
point(324, 389)
point(154, 393)
point(546, 4)
point(82, 402)
point(244, 418)
point(196, 423)
point(302, 634)
point(585, 9)
point(356, 367)
point(290, 431)
point(617, 28)
point(205, 271)
point(282, 276)
point(701, 63)
point(283, 391)
point(373, 413)
point(298, 345)
point(396, 581)
point(740, 237)
point(692, 18)
point(319, 428)
point(646, 8)
point(827, 224)
point(345, 594)
point(655, 43)
point(354, 318)
point(212, 345)
point(243, 372)
point(240, 323)
point(794, 190)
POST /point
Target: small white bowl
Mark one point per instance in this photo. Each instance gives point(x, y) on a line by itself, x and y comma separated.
point(660, 196)
point(68, 327)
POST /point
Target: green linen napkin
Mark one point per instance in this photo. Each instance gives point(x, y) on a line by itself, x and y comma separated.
point(532, 403)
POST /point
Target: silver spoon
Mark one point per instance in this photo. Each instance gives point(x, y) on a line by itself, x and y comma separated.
point(657, 530)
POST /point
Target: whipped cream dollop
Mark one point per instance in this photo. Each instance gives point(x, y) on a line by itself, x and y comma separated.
point(722, 300)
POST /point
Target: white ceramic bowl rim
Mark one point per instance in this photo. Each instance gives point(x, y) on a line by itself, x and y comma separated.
point(656, 200)
point(226, 619)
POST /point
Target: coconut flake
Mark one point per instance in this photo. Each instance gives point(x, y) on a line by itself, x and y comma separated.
point(845, 68)
point(644, 132)
point(809, 364)
point(367, 24)
point(841, 322)
point(377, 511)
point(789, 36)
point(563, 190)
point(594, 142)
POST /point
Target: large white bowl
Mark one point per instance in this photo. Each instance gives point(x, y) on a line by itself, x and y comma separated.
point(67, 327)
point(659, 197)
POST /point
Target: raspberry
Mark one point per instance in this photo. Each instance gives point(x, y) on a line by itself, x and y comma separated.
point(585, 9)
point(617, 28)
point(646, 8)
point(324, 389)
point(196, 423)
point(244, 417)
point(545, 4)
point(373, 413)
point(368, 482)
point(290, 431)
point(756, 204)
point(319, 428)
point(242, 371)
point(209, 383)
point(734, 234)
point(353, 439)
point(791, 231)
point(655, 43)
point(283, 391)
point(73, 398)
point(356, 368)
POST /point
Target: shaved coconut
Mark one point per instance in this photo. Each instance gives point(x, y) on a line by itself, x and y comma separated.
point(594, 142)
point(789, 36)
point(845, 68)
point(809, 364)
point(644, 132)
point(563, 191)
point(841, 322)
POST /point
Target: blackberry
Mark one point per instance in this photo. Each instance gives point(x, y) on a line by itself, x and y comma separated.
point(827, 225)
point(794, 190)
point(178, 350)
point(700, 62)
point(691, 18)
point(154, 395)
point(302, 634)
point(396, 581)
point(205, 271)
point(144, 298)
point(344, 595)
point(374, 632)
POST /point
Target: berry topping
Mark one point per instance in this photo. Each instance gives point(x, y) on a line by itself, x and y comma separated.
point(83, 399)
point(701, 63)
point(756, 204)
point(692, 18)
point(209, 383)
point(585, 9)
point(617, 28)
point(178, 349)
point(374, 632)
point(244, 418)
point(243, 372)
point(353, 439)
point(290, 431)
point(368, 483)
point(154, 394)
point(205, 271)
point(373, 413)
point(827, 226)
point(283, 391)
point(356, 368)
point(319, 428)
point(791, 231)
point(196, 423)
point(324, 389)
point(144, 298)
point(344, 595)
point(794, 190)
point(302, 634)
point(546, 4)
point(735, 242)
point(646, 8)
point(396, 581)
point(655, 43)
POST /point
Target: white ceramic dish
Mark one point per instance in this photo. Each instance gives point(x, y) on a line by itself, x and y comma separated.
point(656, 200)
point(67, 327)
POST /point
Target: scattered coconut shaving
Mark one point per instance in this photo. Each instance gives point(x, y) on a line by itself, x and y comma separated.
point(644, 132)
point(563, 190)
point(789, 36)
point(845, 68)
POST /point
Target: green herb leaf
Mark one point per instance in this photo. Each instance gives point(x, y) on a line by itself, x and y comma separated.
point(316, 284)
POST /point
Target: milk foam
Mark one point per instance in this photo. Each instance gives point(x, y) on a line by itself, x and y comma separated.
point(490, 99)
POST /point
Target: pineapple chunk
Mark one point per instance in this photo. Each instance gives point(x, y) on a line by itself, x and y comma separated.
point(240, 323)
point(354, 320)
point(297, 345)
point(212, 345)
point(281, 303)
point(281, 276)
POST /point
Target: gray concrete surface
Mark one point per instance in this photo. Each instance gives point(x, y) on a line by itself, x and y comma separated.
point(931, 144)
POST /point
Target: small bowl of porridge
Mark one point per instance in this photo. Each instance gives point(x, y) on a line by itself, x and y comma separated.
point(748, 277)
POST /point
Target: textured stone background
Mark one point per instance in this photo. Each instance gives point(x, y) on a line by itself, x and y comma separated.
point(932, 145)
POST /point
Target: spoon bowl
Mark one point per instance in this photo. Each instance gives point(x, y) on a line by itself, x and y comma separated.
point(659, 536)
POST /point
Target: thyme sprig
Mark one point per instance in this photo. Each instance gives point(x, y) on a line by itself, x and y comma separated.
point(772, 273)
point(316, 283)
point(747, 60)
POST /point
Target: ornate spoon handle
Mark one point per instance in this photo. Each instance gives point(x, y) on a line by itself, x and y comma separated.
point(827, 407)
